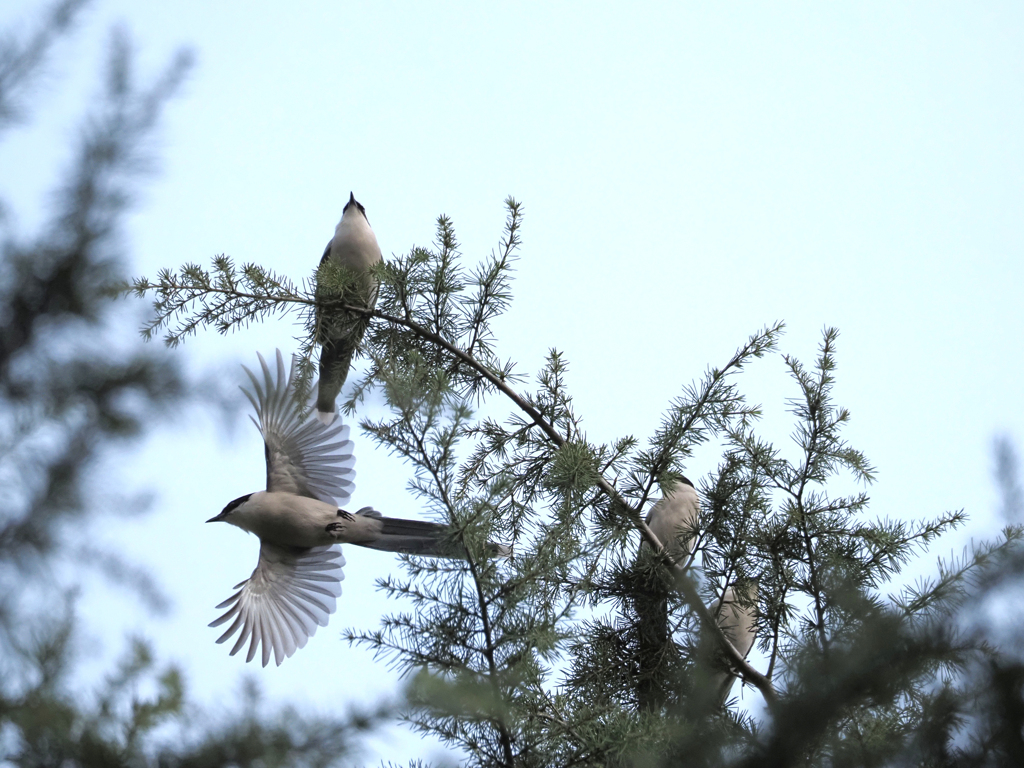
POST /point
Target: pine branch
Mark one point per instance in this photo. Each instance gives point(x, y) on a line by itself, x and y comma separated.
point(681, 577)
point(229, 300)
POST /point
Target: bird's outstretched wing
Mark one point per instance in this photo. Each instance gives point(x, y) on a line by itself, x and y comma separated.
point(304, 457)
point(291, 593)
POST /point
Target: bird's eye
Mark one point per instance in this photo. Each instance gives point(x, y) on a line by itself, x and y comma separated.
point(232, 506)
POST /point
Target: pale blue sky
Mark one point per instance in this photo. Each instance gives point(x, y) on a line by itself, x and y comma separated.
point(689, 173)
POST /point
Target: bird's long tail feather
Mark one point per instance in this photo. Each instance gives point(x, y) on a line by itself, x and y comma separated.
point(335, 360)
point(419, 537)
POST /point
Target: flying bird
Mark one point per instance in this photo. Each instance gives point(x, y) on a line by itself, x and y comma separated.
point(354, 246)
point(300, 523)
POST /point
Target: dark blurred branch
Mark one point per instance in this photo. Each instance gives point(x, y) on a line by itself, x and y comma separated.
point(21, 60)
point(67, 387)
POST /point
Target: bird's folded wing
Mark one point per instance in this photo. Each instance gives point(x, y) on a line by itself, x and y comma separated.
point(291, 593)
point(304, 457)
point(738, 623)
point(673, 519)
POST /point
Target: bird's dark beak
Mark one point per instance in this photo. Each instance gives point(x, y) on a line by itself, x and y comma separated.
point(223, 516)
point(351, 197)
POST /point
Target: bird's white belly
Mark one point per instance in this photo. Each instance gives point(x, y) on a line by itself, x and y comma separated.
point(284, 518)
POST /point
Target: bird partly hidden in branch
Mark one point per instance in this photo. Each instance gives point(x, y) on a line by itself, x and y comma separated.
point(300, 523)
point(354, 247)
point(673, 519)
point(736, 614)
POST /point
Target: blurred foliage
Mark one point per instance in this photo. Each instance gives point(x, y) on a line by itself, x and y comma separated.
point(46, 723)
point(74, 386)
point(71, 381)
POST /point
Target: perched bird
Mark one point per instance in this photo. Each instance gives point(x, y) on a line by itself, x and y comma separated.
point(300, 522)
point(738, 623)
point(673, 517)
point(353, 246)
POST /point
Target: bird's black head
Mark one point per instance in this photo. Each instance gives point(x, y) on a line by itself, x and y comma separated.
point(229, 509)
point(685, 480)
point(352, 201)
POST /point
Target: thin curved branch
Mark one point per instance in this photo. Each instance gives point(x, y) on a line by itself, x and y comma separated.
point(682, 579)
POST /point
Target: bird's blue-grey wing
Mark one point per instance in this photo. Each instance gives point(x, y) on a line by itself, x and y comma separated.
point(291, 593)
point(304, 456)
